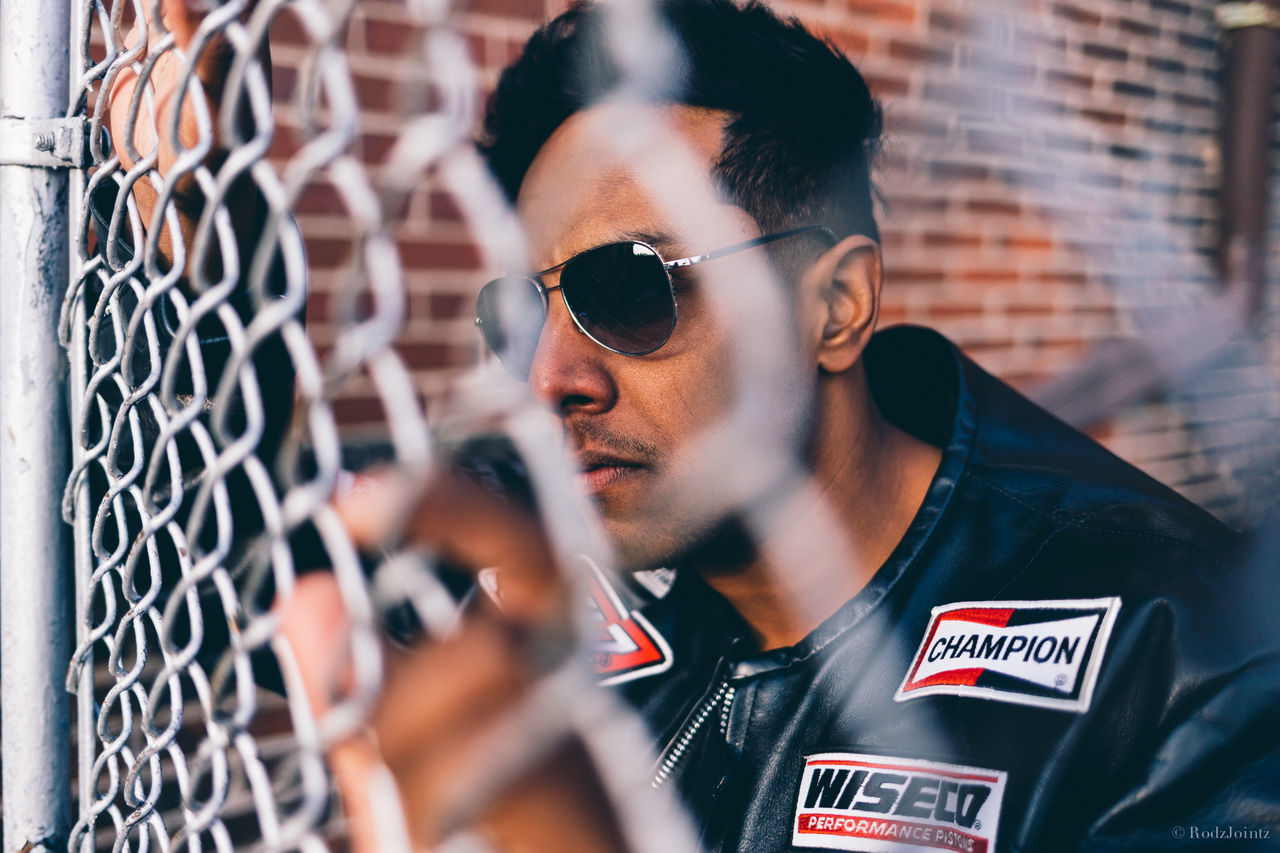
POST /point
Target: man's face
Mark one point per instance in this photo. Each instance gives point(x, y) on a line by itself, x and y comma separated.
point(632, 423)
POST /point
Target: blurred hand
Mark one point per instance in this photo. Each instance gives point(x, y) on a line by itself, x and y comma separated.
point(433, 724)
point(149, 132)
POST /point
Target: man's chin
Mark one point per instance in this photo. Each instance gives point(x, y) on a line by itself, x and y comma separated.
point(713, 546)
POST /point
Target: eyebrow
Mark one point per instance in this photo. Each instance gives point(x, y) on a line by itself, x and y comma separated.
point(656, 239)
point(665, 243)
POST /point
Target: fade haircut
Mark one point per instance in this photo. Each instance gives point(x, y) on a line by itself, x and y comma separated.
point(804, 129)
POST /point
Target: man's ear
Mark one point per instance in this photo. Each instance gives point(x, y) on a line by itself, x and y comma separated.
point(845, 280)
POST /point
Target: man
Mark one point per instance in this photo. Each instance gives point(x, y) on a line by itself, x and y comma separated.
point(1011, 640)
point(909, 609)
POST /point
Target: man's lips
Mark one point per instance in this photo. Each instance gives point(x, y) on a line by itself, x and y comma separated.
point(600, 471)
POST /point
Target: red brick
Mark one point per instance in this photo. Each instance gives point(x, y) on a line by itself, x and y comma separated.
point(420, 354)
point(442, 207)
point(283, 81)
point(1166, 64)
point(1068, 78)
point(913, 275)
point(1078, 15)
point(448, 306)
point(1105, 51)
point(1195, 41)
point(892, 240)
point(437, 254)
point(921, 53)
point(886, 86)
point(850, 41)
point(1139, 28)
point(996, 343)
point(477, 47)
point(1172, 6)
point(1105, 117)
point(1029, 242)
point(949, 21)
point(951, 240)
point(321, 197)
point(959, 171)
point(1020, 103)
point(1072, 278)
point(284, 143)
point(911, 206)
point(376, 93)
point(1103, 431)
point(903, 13)
point(327, 253)
point(1183, 99)
point(905, 122)
point(998, 208)
point(990, 276)
point(530, 10)
point(287, 29)
point(386, 37)
point(511, 50)
point(891, 315)
point(1025, 310)
point(1130, 89)
point(350, 411)
point(374, 147)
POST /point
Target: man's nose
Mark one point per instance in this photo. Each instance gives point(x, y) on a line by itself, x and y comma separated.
point(569, 372)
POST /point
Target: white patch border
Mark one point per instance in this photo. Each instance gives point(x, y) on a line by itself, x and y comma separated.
point(995, 694)
point(917, 764)
point(668, 658)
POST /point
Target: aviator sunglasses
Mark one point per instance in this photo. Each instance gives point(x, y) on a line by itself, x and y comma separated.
point(620, 295)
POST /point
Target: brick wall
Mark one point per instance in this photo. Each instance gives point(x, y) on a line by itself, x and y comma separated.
point(1050, 184)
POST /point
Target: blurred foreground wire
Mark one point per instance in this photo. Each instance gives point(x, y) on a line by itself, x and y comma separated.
point(206, 418)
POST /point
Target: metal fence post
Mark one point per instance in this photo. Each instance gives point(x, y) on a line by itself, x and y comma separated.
point(34, 560)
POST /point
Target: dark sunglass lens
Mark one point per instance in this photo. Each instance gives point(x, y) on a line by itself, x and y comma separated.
point(621, 296)
point(510, 312)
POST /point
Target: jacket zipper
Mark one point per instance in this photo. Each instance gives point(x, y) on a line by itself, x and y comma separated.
point(722, 699)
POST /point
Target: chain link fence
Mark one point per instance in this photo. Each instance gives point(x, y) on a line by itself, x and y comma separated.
point(201, 478)
point(205, 449)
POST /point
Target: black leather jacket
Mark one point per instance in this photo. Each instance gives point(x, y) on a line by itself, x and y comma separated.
point(1139, 709)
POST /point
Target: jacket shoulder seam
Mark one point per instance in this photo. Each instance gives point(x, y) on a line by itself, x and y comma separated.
point(1085, 521)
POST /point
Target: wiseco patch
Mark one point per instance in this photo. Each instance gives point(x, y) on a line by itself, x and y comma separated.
point(1041, 653)
point(626, 646)
point(849, 801)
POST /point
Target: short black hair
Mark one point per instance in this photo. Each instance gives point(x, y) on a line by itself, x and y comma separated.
point(805, 129)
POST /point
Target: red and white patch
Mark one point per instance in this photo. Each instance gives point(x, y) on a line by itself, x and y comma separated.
point(880, 804)
point(626, 646)
point(1041, 653)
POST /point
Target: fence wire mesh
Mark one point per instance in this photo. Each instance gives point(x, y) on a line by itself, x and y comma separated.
point(196, 465)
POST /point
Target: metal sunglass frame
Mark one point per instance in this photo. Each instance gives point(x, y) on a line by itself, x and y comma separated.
point(544, 291)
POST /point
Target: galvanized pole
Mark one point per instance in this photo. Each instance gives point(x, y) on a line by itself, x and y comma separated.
point(1248, 134)
point(86, 737)
point(35, 624)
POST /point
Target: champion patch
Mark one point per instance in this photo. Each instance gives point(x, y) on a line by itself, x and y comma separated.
point(1041, 653)
point(875, 803)
point(626, 646)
